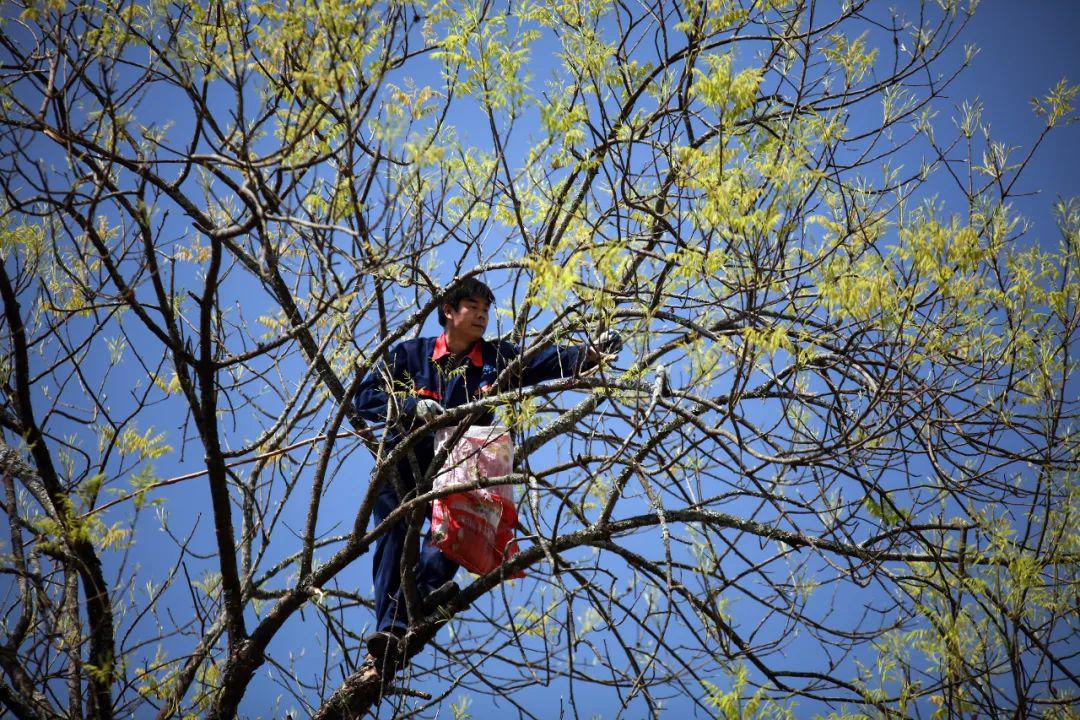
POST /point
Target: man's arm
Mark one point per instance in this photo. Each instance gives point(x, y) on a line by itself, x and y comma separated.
point(554, 362)
point(559, 362)
point(374, 393)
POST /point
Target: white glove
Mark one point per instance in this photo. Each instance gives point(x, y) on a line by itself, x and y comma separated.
point(426, 409)
point(609, 343)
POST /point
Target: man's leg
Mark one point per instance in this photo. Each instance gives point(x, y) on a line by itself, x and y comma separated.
point(433, 568)
point(386, 563)
point(433, 571)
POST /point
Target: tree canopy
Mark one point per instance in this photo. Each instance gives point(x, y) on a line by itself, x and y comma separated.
point(833, 471)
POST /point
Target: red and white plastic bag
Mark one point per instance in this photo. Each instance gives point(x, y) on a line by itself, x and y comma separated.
point(475, 528)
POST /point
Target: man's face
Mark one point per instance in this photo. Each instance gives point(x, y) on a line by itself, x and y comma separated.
point(469, 320)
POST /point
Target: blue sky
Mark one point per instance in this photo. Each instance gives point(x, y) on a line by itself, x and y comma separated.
point(1026, 48)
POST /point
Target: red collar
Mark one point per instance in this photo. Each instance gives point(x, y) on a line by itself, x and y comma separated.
point(476, 355)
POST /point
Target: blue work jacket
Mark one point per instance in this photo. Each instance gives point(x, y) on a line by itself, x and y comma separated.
point(419, 368)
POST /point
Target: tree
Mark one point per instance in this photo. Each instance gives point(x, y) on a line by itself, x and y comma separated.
point(834, 470)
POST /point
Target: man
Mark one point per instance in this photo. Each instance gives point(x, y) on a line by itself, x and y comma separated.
point(428, 375)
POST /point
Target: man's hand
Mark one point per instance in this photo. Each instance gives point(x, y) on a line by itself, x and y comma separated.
point(605, 347)
point(609, 343)
point(427, 409)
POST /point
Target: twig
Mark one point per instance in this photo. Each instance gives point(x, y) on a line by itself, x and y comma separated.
point(200, 473)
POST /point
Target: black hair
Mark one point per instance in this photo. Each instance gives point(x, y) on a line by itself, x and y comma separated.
point(468, 289)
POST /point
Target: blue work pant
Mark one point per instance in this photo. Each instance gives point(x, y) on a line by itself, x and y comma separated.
point(432, 567)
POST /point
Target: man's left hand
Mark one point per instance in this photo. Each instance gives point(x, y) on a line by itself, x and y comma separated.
point(606, 347)
point(609, 343)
